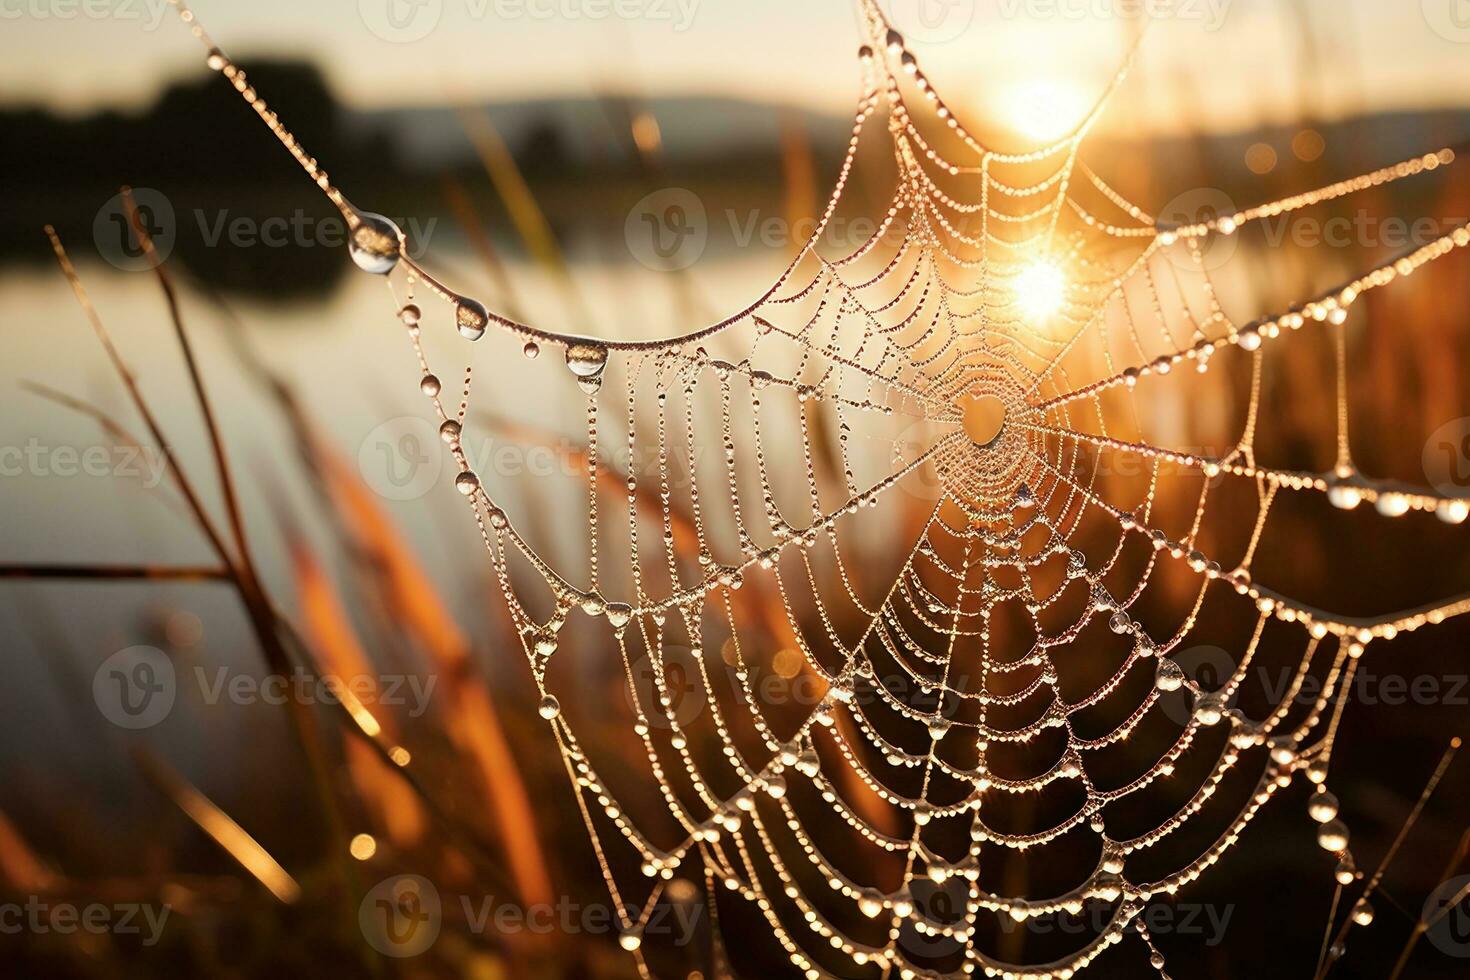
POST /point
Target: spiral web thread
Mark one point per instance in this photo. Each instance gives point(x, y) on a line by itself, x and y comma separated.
point(956, 672)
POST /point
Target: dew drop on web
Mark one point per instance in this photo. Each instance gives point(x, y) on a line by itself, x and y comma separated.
point(470, 317)
point(374, 243)
point(587, 361)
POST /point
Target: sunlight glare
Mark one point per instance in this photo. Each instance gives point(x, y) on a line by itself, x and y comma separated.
point(1040, 289)
point(1044, 110)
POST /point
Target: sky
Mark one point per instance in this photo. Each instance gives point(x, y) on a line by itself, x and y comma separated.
point(1242, 58)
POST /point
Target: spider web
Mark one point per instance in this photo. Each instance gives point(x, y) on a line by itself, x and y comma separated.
point(1012, 660)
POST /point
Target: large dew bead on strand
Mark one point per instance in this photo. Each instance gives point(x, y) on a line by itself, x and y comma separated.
point(373, 243)
point(1322, 807)
point(470, 317)
point(1209, 708)
point(1170, 676)
point(1333, 836)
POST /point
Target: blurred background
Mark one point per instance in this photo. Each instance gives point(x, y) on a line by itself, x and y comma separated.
point(518, 144)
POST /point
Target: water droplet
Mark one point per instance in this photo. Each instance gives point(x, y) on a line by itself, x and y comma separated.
point(1333, 836)
point(1209, 709)
point(618, 614)
point(449, 432)
point(894, 42)
point(467, 482)
point(470, 317)
point(1392, 504)
point(532, 350)
point(586, 360)
point(374, 243)
point(429, 385)
point(410, 314)
point(216, 60)
point(549, 708)
point(1322, 807)
point(498, 519)
point(1169, 677)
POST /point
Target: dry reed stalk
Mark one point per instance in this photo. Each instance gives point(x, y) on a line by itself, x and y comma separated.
point(20, 867)
point(230, 836)
point(525, 213)
point(474, 721)
point(330, 630)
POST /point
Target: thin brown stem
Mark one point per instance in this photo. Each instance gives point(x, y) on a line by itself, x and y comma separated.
point(206, 409)
point(116, 573)
point(1373, 882)
point(1424, 924)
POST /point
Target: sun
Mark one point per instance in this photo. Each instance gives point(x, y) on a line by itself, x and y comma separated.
point(1040, 289)
point(1044, 110)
